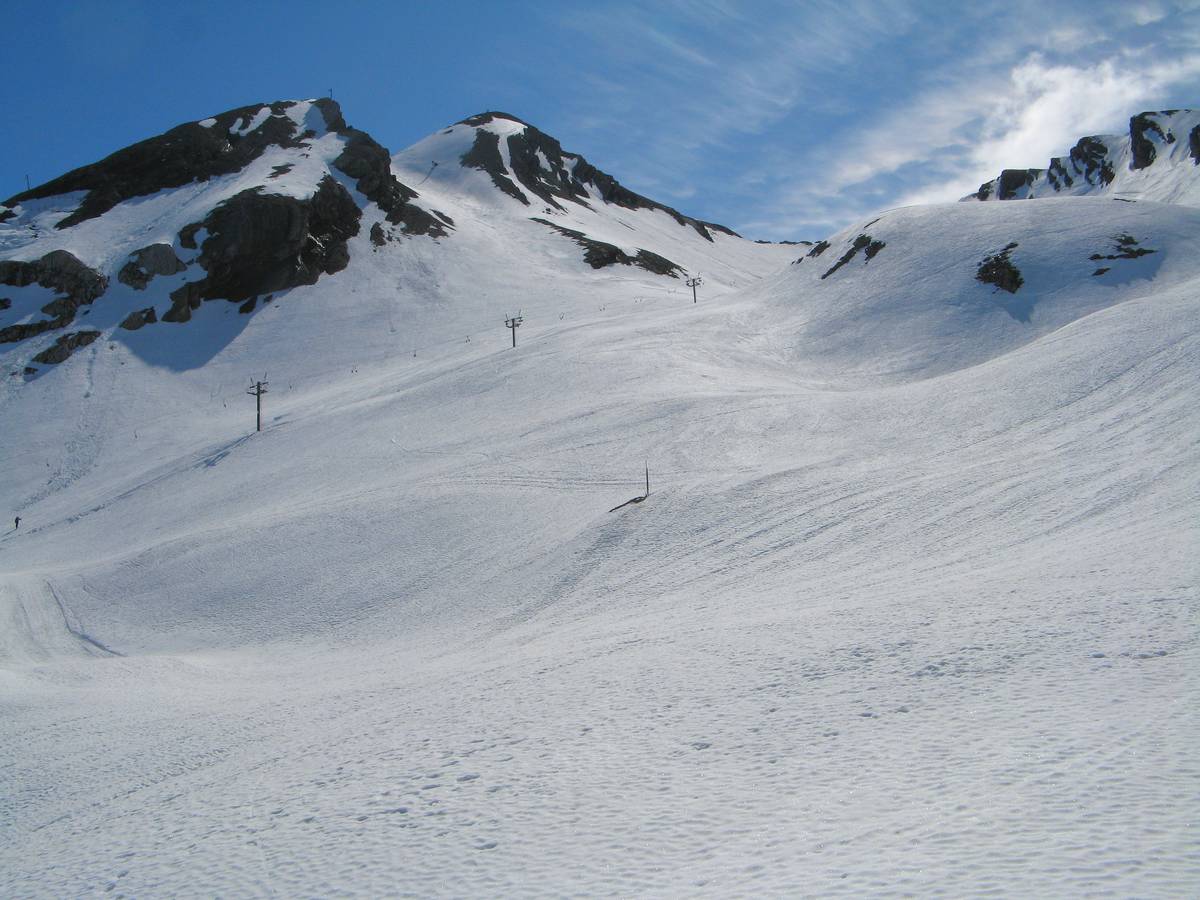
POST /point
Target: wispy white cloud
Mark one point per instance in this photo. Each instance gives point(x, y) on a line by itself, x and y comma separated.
point(794, 118)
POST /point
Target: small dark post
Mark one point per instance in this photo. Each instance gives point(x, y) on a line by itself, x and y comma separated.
point(647, 479)
point(693, 283)
point(260, 388)
point(513, 323)
point(27, 183)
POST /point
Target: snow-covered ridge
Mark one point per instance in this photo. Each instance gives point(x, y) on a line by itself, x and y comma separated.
point(921, 291)
point(530, 166)
point(1158, 159)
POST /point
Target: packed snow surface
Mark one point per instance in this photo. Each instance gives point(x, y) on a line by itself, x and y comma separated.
point(910, 608)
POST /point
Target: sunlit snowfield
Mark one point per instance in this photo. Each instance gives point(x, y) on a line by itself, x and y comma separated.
point(911, 606)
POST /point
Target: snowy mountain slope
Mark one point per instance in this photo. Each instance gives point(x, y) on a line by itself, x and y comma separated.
point(900, 297)
point(910, 608)
point(1157, 160)
point(930, 636)
point(260, 201)
point(497, 166)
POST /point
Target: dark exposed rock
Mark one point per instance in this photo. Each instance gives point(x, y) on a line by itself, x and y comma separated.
point(184, 299)
point(1090, 155)
point(1194, 145)
point(186, 153)
point(260, 243)
point(1012, 180)
point(1101, 270)
point(60, 271)
point(370, 164)
point(378, 238)
point(13, 333)
point(6, 214)
point(248, 307)
point(1058, 176)
point(138, 318)
point(144, 264)
point(276, 171)
point(5, 303)
point(864, 243)
point(566, 175)
point(1126, 248)
point(485, 155)
point(187, 235)
point(818, 248)
point(66, 344)
point(1141, 146)
point(599, 254)
point(998, 269)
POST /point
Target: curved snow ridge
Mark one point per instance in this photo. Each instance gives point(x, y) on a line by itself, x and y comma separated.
point(920, 291)
point(36, 627)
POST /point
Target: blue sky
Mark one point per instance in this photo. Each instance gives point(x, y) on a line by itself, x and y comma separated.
point(779, 119)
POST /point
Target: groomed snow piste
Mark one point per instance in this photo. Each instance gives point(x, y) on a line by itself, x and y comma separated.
point(910, 608)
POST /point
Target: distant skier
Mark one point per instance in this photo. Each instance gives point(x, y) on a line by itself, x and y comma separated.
point(16, 523)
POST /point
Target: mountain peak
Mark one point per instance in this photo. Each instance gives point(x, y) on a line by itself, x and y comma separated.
point(530, 166)
point(194, 151)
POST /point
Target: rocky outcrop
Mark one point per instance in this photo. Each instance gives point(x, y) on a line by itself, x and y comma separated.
point(66, 344)
point(370, 164)
point(998, 269)
point(144, 264)
point(549, 173)
point(1126, 247)
point(139, 318)
point(191, 152)
point(262, 243)
point(599, 254)
point(865, 244)
point(59, 271)
point(1140, 144)
point(185, 299)
point(1096, 164)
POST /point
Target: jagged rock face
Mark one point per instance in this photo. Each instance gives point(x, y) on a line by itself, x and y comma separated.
point(998, 269)
point(144, 264)
point(139, 318)
point(261, 243)
point(62, 272)
point(370, 163)
point(187, 153)
point(543, 169)
point(1140, 126)
point(66, 344)
point(864, 243)
point(1110, 163)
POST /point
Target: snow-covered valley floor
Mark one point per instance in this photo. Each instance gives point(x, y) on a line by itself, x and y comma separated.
point(934, 637)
